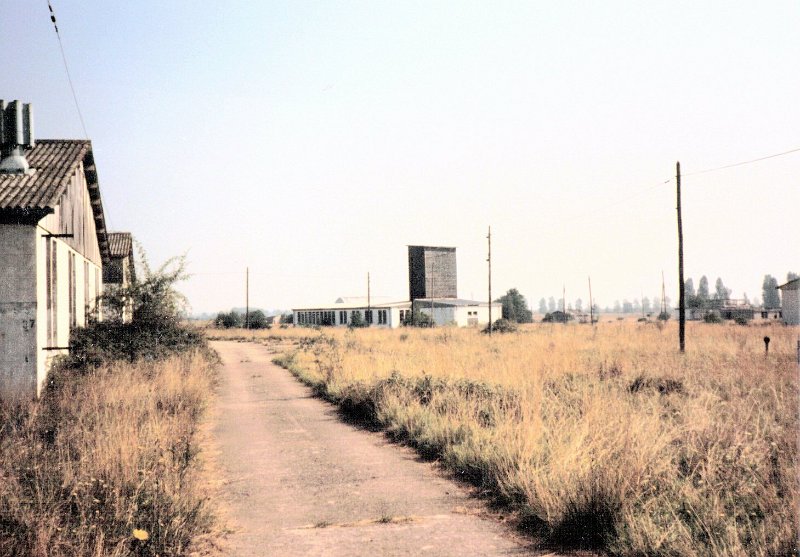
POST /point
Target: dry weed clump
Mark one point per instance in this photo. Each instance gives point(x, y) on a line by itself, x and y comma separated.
point(601, 437)
point(106, 464)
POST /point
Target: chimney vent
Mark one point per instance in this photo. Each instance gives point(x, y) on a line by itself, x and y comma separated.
point(16, 135)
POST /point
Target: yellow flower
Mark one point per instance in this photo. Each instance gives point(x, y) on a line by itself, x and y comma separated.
point(141, 535)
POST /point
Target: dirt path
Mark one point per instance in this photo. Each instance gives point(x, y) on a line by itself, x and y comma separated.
point(301, 482)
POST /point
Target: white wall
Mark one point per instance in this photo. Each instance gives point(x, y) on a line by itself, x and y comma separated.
point(791, 306)
point(18, 310)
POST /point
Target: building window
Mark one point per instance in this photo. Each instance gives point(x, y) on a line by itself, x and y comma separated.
point(368, 316)
point(343, 318)
point(382, 317)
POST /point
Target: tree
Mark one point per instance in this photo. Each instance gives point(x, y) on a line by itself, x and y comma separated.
point(416, 318)
point(551, 304)
point(257, 320)
point(228, 320)
point(617, 307)
point(515, 307)
point(579, 305)
point(721, 293)
point(657, 304)
point(627, 307)
point(646, 304)
point(702, 292)
point(690, 295)
point(542, 306)
point(772, 298)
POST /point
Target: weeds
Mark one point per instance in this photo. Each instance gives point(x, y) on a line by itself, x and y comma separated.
point(602, 438)
point(106, 463)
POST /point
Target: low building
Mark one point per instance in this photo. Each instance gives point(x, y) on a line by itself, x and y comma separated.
point(790, 304)
point(445, 311)
point(53, 245)
point(343, 314)
point(458, 312)
point(120, 271)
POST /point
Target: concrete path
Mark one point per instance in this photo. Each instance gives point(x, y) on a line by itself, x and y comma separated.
point(299, 481)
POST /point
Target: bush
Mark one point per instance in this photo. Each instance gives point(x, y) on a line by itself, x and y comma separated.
point(502, 326)
point(357, 321)
point(228, 320)
point(418, 319)
point(663, 316)
point(257, 320)
point(712, 317)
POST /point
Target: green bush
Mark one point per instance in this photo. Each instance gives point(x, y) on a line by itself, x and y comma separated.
point(502, 326)
point(713, 317)
point(228, 320)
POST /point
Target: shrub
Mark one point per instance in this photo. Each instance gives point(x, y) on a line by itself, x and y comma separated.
point(712, 317)
point(418, 319)
point(228, 320)
point(357, 321)
point(663, 316)
point(502, 326)
point(257, 320)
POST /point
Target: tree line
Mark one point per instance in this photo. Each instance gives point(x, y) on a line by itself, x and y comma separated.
point(516, 308)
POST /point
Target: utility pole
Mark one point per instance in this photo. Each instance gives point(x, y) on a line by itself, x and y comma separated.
point(663, 308)
point(247, 298)
point(681, 298)
point(369, 301)
point(591, 305)
point(564, 301)
point(489, 259)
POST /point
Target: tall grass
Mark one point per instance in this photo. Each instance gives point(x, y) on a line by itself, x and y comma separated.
point(106, 463)
point(599, 437)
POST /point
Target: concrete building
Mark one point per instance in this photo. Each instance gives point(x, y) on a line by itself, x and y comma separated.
point(53, 245)
point(454, 311)
point(790, 302)
point(120, 271)
point(432, 272)
point(342, 314)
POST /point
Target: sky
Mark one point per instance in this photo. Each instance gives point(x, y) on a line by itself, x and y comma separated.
point(311, 142)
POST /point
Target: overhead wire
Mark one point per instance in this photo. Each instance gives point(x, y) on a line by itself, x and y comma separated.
point(742, 163)
point(66, 68)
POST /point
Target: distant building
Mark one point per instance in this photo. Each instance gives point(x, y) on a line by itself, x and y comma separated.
point(432, 284)
point(790, 294)
point(53, 245)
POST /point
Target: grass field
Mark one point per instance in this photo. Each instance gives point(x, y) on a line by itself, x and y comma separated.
point(106, 462)
point(601, 437)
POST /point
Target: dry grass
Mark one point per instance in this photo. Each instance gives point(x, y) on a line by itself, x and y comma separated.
point(107, 452)
point(600, 437)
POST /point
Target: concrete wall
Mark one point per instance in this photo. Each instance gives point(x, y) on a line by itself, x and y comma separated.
point(18, 310)
point(56, 321)
point(432, 272)
point(791, 306)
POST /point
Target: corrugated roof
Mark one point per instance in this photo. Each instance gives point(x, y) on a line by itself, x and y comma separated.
point(120, 244)
point(793, 284)
point(54, 162)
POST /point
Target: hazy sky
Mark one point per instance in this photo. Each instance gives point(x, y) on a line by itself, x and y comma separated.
point(312, 141)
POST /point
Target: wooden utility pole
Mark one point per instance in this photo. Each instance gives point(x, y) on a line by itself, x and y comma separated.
point(681, 297)
point(489, 259)
point(564, 301)
point(369, 301)
point(591, 305)
point(247, 298)
point(663, 308)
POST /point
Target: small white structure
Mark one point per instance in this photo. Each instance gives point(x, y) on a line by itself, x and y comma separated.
point(790, 305)
point(459, 312)
point(53, 245)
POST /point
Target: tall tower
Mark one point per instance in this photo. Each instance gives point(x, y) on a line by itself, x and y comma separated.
point(431, 272)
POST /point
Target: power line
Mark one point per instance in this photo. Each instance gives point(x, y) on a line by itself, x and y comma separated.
point(742, 163)
point(66, 68)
